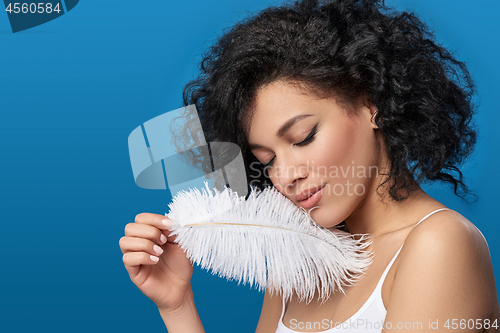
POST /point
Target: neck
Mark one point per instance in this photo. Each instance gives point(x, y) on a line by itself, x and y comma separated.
point(378, 215)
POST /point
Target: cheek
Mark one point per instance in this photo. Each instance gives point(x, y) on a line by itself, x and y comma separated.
point(334, 166)
point(335, 152)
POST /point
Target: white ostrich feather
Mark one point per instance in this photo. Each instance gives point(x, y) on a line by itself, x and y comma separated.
point(267, 242)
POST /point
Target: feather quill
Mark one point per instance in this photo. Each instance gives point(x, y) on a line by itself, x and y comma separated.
point(266, 241)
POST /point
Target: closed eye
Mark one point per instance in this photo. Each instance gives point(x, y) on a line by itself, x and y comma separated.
point(268, 164)
point(309, 138)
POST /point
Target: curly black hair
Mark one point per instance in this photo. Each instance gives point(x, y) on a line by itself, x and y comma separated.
point(349, 49)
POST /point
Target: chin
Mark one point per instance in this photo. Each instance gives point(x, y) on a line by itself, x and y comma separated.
point(324, 218)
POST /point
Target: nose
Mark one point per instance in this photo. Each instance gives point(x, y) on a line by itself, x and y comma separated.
point(287, 172)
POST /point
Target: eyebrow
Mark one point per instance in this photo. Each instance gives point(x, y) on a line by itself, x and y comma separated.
point(284, 128)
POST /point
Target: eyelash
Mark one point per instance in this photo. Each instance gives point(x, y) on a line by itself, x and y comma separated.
point(304, 142)
point(309, 138)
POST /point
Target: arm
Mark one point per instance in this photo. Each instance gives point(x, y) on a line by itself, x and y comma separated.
point(161, 270)
point(445, 273)
point(270, 314)
point(184, 319)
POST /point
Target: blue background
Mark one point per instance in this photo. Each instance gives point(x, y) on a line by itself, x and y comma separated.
point(72, 90)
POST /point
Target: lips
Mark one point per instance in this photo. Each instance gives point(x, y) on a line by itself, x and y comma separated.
point(308, 193)
point(311, 197)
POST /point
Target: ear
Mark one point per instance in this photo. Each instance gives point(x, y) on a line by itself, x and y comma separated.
point(373, 111)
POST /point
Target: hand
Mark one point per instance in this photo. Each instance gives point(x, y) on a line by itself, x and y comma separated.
point(163, 276)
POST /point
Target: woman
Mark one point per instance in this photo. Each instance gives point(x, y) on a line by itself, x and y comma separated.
point(347, 107)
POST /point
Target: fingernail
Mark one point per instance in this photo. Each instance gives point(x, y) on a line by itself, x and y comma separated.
point(166, 222)
point(155, 259)
point(163, 239)
point(158, 249)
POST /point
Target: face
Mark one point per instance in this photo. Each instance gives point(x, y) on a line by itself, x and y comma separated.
point(317, 155)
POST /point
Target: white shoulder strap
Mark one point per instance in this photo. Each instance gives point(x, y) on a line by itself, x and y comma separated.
point(426, 216)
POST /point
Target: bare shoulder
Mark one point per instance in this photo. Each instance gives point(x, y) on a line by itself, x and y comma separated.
point(445, 260)
point(270, 314)
point(448, 233)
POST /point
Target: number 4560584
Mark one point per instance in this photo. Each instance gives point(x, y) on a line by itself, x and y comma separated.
point(32, 8)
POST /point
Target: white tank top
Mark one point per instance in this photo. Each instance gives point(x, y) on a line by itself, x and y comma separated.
point(369, 318)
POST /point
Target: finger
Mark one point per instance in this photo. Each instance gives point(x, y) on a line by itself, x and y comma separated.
point(136, 244)
point(160, 221)
point(134, 260)
point(170, 238)
point(145, 231)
